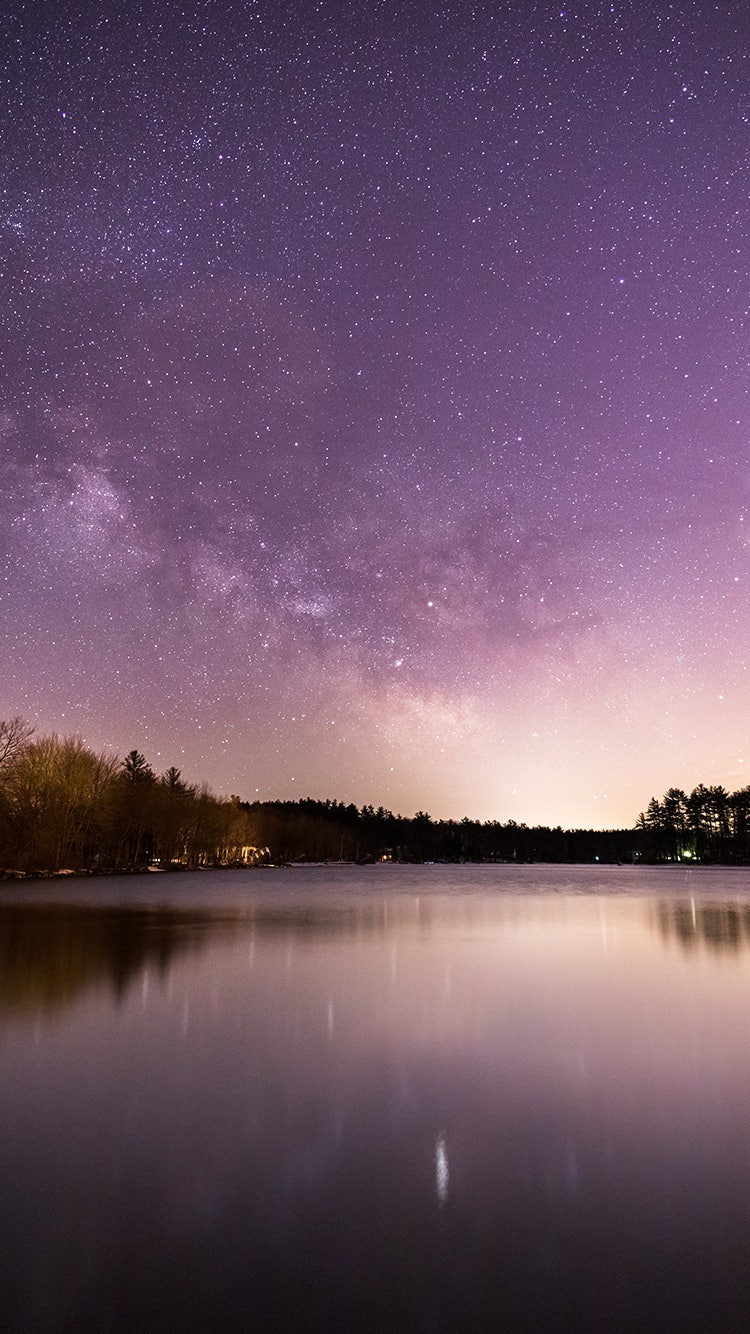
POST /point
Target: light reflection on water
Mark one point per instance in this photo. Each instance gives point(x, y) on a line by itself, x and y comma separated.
point(348, 1101)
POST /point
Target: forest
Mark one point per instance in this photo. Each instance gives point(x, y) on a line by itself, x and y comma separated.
point(64, 807)
point(707, 825)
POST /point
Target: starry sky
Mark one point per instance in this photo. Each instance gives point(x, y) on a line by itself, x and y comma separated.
point(374, 396)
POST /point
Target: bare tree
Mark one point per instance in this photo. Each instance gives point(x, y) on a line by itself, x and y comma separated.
point(15, 733)
point(55, 799)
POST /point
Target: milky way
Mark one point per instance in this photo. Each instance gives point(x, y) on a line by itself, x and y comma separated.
point(374, 407)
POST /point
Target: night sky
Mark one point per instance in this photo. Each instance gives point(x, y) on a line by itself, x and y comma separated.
point(374, 417)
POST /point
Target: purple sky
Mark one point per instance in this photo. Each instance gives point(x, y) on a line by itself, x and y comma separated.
point(374, 416)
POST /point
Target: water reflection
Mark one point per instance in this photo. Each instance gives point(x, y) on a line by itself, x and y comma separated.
point(442, 1173)
point(417, 1113)
point(52, 953)
point(721, 927)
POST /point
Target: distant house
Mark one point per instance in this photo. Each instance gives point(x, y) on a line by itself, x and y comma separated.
point(251, 855)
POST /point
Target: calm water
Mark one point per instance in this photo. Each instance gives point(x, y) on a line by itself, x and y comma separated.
point(392, 1099)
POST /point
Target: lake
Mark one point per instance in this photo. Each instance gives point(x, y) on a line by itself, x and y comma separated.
point(377, 1099)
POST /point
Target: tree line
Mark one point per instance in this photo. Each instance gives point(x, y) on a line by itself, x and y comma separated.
point(63, 806)
point(332, 831)
point(708, 825)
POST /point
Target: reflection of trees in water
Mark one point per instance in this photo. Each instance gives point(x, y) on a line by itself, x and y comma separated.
point(720, 926)
point(50, 954)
